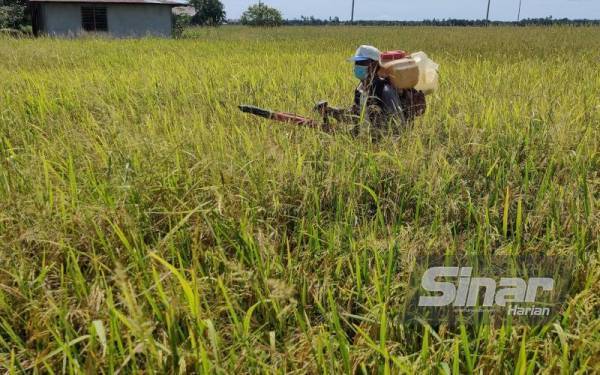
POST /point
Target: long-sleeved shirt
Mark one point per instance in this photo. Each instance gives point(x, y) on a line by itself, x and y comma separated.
point(382, 94)
point(403, 105)
point(390, 104)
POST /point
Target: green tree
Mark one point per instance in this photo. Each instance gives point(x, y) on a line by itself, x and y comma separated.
point(208, 12)
point(262, 15)
point(12, 13)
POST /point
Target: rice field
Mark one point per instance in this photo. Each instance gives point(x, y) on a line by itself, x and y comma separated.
point(147, 226)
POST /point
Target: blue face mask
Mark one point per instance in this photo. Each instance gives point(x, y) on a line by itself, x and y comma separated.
point(361, 72)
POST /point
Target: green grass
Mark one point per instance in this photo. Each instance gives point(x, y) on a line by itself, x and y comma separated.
point(147, 225)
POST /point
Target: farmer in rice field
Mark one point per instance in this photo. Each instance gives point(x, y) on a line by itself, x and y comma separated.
point(382, 103)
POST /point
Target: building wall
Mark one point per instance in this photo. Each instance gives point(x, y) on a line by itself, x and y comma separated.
point(124, 20)
point(138, 20)
point(61, 19)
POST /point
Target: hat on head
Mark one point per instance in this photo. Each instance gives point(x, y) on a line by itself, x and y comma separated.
point(366, 53)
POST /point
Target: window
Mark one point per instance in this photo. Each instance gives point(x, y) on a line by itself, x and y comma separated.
point(93, 18)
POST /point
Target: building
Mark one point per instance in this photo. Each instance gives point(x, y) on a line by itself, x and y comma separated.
point(118, 18)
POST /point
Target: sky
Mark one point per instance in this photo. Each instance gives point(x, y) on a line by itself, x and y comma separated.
point(502, 10)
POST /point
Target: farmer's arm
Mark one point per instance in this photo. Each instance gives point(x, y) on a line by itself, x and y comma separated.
point(348, 115)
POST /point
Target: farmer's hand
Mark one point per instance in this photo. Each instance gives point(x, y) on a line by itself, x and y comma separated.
point(321, 107)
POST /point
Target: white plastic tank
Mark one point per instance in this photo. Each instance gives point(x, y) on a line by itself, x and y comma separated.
point(428, 73)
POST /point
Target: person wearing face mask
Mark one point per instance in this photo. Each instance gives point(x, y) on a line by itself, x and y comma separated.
point(375, 93)
point(375, 98)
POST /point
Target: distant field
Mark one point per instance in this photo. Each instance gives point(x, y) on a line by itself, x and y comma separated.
point(147, 225)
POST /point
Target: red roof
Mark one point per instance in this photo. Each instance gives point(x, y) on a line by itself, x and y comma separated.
point(177, 3)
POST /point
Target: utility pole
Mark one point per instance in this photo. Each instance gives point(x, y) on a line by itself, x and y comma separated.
point(352, 16)
point(519, 14)
point(487, 15)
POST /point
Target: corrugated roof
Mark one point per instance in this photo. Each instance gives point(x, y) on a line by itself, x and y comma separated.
point(176, 3)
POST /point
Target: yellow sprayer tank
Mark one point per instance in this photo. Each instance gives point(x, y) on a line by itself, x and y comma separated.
point(402, 73)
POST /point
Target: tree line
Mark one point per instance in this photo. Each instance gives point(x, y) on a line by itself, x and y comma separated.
point(443, 22)
point(211, 12)
point(14, 15)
